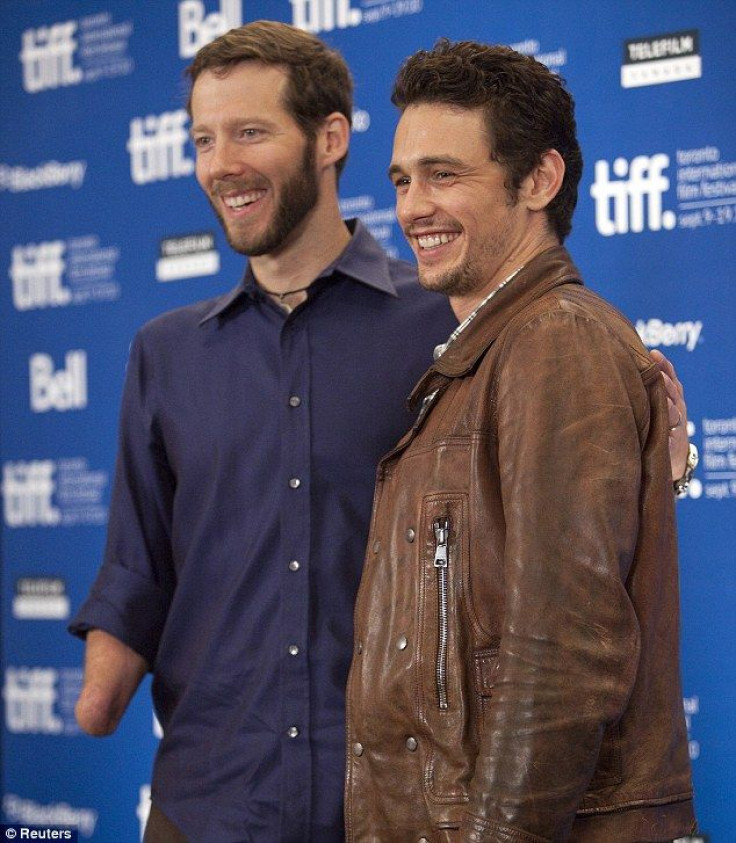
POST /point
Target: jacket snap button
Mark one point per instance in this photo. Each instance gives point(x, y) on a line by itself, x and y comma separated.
point(376, 546)
point(410, 535)
point(359, 647)
point(402, 642)
point(358, 749)
point(411, 744)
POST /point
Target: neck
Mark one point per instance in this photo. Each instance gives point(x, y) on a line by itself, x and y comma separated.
point(316, 243)
point(464, 305)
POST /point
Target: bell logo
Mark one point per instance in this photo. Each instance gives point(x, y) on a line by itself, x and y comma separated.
point(65, 389)
point(157, 147)
point(35, 272)
point(620, 205)
point(197, 28)
point(317, 16)
point(47, 57)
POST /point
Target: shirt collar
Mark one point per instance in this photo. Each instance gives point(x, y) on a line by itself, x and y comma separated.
point(363, 260)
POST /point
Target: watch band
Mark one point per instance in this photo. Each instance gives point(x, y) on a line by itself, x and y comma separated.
point(681, 486)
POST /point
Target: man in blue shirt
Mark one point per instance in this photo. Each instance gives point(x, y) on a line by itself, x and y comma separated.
point(251, 427)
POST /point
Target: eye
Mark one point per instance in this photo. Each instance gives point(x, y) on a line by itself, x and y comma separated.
point(443, 175)
point(201, 142)
point(400, 182)
point(250, 133)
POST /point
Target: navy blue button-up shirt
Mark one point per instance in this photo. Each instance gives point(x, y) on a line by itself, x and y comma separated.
point(248, 447)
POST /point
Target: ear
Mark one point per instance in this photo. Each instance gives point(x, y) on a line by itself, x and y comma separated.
point(541, 186)
point(333, 139)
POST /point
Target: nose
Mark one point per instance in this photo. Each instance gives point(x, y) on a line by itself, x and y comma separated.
point(414, 204)
point(223, 160)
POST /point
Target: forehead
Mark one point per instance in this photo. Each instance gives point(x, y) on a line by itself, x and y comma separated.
point(246, 88)
point(438, 131)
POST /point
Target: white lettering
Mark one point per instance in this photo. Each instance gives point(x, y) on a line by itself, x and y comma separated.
point(30, 695)
point(655, 332)
point(157, 147)
point(65, 389)
point(197, 29)
point(35, 272)
point(47, 57)
point(317, 16)
point(27, 490)
point(625, 197)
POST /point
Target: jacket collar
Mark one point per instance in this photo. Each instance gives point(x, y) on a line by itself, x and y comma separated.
point(547, 270)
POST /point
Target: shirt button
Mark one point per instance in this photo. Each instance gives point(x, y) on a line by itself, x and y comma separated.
point(293, 732)
point(402, 642)
point(411, 744)
point(357, 749)
point(294, 565)
point(410, 535)
point(376, 546)
point(295, 401)
point(295, 482)
point(293, 650)
point(423, 840)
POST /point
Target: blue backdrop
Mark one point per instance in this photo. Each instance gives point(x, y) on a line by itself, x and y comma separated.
point(103, 227)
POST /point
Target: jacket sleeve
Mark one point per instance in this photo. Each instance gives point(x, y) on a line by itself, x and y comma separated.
point(572, 416)
point(132, 592)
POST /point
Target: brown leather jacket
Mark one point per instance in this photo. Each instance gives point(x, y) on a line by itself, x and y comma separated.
point(515, 675)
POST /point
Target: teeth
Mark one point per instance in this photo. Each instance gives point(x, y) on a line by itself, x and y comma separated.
point(242, 199)
point(431, 241)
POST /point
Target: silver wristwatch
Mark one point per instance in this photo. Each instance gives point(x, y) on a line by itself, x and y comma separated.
point(681, 485)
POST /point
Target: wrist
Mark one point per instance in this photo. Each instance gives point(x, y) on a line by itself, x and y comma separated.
point(681, 486)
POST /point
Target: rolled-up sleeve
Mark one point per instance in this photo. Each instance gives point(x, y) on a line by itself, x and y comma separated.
point(131, 596)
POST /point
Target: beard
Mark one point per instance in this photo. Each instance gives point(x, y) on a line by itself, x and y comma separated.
point(298, 196)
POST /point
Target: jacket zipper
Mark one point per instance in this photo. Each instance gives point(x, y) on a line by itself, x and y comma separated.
point(441, 560)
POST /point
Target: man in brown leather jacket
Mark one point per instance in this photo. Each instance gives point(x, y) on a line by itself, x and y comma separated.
point(515, 675)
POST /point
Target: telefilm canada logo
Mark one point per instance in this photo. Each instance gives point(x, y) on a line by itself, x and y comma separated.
point(67, 53)
point(187, 256)
point(659, 59)
point(40, 599)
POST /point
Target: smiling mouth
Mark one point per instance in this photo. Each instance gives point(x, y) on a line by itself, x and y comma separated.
point(432, 241)
point(242, 200)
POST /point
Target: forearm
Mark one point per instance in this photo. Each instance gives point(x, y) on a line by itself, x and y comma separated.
point(112, 673)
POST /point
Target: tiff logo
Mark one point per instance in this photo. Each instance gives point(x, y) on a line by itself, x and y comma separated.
point(30, 695)
point(620, 205)
point(47, 57)
point(28, 488)
point(157, 147)
point(65, 389)
point(35, 272)
point(324, 15)
point(197, 29)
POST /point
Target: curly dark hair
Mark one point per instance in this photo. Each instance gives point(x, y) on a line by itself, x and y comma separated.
point(527, 109)
point(319, 81)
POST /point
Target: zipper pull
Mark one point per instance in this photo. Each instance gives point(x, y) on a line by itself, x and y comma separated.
point(441, 534)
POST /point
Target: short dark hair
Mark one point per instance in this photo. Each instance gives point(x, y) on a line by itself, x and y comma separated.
point(319, 81)
point(527, 109)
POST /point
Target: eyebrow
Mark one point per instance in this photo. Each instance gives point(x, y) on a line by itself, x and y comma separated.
point(429, 161)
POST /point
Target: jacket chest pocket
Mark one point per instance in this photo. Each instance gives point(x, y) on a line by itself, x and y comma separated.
point(444, 706)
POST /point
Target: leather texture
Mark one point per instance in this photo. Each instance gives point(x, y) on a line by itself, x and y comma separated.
point(544, 446)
